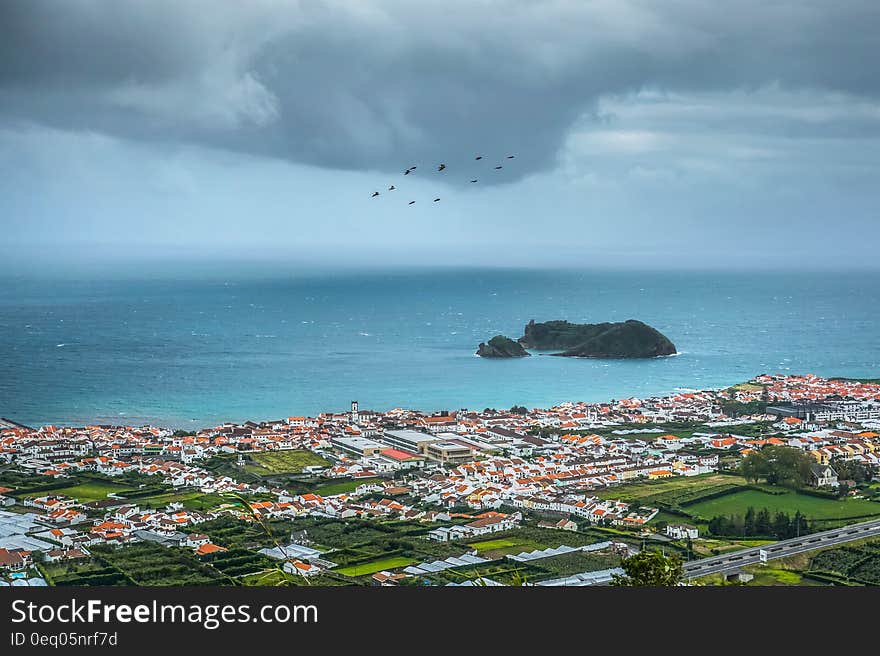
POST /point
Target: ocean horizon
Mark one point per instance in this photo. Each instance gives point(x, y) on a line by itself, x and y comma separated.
point(187, 350)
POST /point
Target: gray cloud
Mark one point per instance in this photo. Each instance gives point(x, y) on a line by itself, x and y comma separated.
point(377, 85)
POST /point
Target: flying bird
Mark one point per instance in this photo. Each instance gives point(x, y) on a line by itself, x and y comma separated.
point(441, 167)
point(478, 157)
point(375, 193)
point(392, 188)
point(510, 157)
point(436, 199)
point(411, 202)
point(473, 180)
point(407, 172)
point(498, 167)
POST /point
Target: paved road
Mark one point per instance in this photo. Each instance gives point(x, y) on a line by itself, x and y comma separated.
point(737, 559)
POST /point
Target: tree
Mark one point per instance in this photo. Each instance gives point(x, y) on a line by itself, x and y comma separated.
point(754, 466)
point(718, 525)
point(762, 522)
point(778, 465)
point(735, 408)
point(788, 466)
point(650, 568)
point(852, 470)
point(781, 525)
point(749, 521)
point(799, 525)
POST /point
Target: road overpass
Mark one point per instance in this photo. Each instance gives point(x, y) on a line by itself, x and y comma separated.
point(781, 549)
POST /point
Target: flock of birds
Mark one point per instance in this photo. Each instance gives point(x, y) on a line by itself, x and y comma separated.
point(440, 169)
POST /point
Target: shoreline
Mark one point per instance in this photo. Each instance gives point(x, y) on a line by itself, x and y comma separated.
point(201, 424)
point(196, 424)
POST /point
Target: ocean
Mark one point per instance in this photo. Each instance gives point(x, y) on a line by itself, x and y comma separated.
point(198, 350)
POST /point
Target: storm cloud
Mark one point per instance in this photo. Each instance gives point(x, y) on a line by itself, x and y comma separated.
point(376, 85)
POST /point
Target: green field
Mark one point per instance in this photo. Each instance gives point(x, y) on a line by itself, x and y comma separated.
point(504, 546)
point(644, 489)
point(487, 545)
point(191, 499)
point(340, 487)
point(284, 462)
point(84, 492)
point(376, 566)
point(528, 538)
point(789, 502)
point(493, 549)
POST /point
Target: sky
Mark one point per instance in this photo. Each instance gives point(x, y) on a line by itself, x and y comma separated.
point(675, 133)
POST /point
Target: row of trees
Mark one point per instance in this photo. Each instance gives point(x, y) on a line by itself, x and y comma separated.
point(778, 465)
point(760, 524)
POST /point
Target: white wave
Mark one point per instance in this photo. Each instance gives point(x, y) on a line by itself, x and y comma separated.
point(60, 345)
point(365, 334)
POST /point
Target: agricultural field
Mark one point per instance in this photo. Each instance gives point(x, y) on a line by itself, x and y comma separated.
point(530, 538)
point(191, 499)
point(857, 564)
point(643, 491)
point(575, 563)
point(283, 462)
point(341, 487)
point(375, 566)
point(814, 508)
point(82, 572)
point(503, 546)
point(239, 562)
point(90, 490)
point(147, 563)
point(234, 533)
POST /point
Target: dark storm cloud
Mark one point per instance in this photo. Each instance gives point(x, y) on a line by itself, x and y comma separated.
point(379, 85)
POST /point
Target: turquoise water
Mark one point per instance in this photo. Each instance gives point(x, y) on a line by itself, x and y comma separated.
point(197, 351)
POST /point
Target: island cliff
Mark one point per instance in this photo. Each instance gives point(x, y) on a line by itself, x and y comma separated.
point(501, 347)
point(625, 339)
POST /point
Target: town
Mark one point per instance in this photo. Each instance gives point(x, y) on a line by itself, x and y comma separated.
point(553, 496)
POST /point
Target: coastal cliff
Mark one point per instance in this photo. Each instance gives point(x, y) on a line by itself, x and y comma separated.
point(626, 339)
point(501, 347)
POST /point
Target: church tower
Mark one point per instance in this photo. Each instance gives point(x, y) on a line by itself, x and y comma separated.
point(355, 415)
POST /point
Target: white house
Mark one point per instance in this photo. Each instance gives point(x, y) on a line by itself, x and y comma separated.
point(682, 531)
point(823, 476)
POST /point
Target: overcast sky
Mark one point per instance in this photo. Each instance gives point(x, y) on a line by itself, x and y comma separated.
point(667, 133)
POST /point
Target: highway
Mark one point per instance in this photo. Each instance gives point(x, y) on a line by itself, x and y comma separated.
point(781, 549)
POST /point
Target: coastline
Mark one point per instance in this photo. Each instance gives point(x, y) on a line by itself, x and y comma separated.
point(196, 424)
